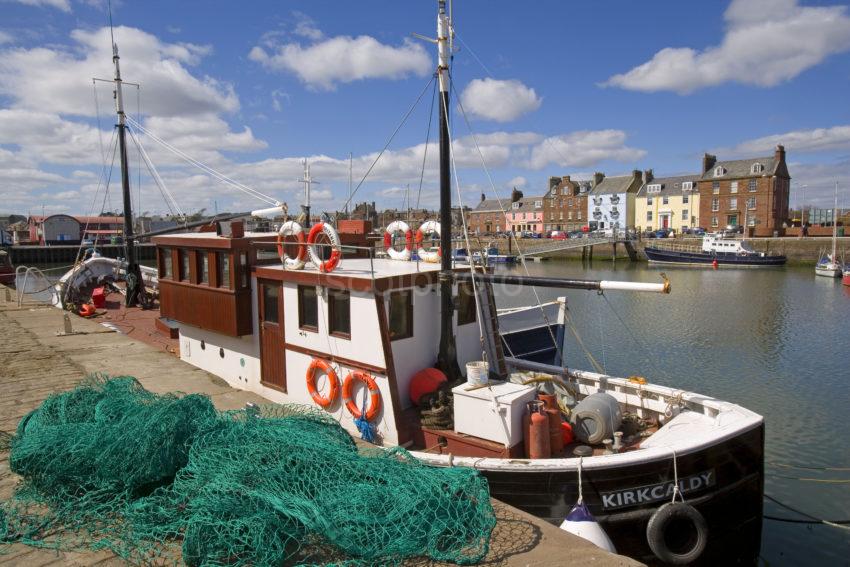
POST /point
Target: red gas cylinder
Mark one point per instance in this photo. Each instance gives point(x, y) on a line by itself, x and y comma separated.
point(556, 441)
point(567, 433)
point(425, 382)
point(98, 297)
point(538, 445)
point(715, 264)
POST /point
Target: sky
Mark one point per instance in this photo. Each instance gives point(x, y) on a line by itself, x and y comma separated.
point(544, 88)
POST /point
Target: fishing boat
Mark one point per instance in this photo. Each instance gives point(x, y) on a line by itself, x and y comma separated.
point(828, 264)
point(492, 255)
point(381, 344)
point(715, 251)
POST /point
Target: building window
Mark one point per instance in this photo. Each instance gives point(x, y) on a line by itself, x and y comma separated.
point(733, 187)
point(648, 215)
point(684, 214)
point(513, 216)
point(665, 200)
point(401, 314)
point(733, 203)
point(714, 222)
point(515, 205)
point(308, 308)
point(751, 221)
point(569, 202)
point(184, 265)
point(579, 215)
point(203, 267)
point(339, 313)
point(466, 310)
point(687, 185)
point(654, 188)
point(649, 200)
point(719, 171)
point(715, 187)
point(715, 204)
point(751, 203)
point(165, 263)
point(538, 204)
point(757, 168)
point(685, 199)
point(569, 216)
point(223, 269)
point(751, 185)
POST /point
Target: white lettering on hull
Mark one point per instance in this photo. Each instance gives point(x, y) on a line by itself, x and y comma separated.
point(656, 492)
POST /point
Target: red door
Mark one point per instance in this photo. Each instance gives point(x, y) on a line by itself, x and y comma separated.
point(272, 352)
point(666, 221)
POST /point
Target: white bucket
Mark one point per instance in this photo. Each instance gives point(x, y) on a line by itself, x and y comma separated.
point(476, 372)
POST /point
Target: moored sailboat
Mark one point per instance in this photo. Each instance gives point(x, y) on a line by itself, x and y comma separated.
point(828, 264)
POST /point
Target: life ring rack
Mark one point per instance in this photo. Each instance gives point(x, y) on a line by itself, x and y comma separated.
point(318, 365)
point(332, 235)
point(348, 398)
point(292, 228)
point(393, 228)
point(426, 255)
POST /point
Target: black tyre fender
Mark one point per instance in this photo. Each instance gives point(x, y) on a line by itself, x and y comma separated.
point(688, 546)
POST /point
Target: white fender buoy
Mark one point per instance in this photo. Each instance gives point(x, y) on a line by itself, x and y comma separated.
point(581, 522)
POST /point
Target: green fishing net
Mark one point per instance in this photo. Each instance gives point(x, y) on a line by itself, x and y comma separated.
point(160, 479)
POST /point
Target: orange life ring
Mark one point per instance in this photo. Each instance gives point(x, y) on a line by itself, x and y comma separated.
point(319, 364)
point(336, 247)
point(374, 402)
point(86, 310)
point(428, 227)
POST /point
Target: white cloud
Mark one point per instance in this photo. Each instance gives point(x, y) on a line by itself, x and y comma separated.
point(766, 42)
point(6, 37)
point(816, 140)
point(344, 59)
point(64, 5)
point(502, 101)
point(819, 179)
point(306, 27)
point(35, 78)
point(582, 149)
point(518, 182)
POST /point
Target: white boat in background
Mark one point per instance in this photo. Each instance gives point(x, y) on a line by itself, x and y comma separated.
point(828, 265)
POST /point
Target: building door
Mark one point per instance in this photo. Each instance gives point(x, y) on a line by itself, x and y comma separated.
point(732, 220)
point(665, 221)
point(272, 352)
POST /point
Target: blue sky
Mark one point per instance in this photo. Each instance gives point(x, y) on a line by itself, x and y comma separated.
point(553, 88)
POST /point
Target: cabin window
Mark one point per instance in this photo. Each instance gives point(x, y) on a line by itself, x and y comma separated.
point(223, 269)
point(308, 308)
point(203, 267)
point(184, 265)
point(339, 313)
point(165, 263)
point(401, 315)
point(243, 269)
point(466, 308)
point(271, 293)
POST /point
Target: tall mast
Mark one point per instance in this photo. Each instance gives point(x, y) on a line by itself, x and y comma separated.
point(135, 285)
point(834, 225)
point(308, 181)
point(447, 357)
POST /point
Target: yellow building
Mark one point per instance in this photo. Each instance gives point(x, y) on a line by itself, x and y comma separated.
point(668, 202)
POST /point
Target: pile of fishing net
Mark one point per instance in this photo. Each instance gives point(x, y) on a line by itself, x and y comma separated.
point(156, 478)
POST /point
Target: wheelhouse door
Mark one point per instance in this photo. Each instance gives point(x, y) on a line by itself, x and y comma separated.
point(272, 352)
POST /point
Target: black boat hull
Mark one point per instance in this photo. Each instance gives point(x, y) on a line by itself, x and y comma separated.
point(731, 505)
point(708, 258)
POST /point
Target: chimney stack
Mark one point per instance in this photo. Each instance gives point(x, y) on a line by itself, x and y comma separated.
point(648, 176)
point(483, 197)
point(708, 162)
point(597, 178)
point(553, 182)
point(779, 155)
point(516, 195)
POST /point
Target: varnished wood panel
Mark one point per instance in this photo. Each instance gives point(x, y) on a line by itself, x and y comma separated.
point(221, 310)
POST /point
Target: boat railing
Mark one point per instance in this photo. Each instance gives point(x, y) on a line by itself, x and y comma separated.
point(25, 275)
point(675, 247)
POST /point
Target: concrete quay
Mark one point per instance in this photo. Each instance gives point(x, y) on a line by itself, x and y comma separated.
point(35, 362)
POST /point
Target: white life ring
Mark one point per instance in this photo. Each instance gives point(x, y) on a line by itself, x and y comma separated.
point(392, 229)
point(428, 255)
point(313, 250)
point(292, 228)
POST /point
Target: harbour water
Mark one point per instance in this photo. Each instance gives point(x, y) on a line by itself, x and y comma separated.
point(772, 340)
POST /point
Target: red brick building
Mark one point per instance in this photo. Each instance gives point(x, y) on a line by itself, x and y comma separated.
point(565, 204)
point(488, 217)
point(752, 192)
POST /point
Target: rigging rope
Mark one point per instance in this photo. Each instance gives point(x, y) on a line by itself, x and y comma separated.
point(403, 120)
point(427, 142)
point(158, 181)
point(218, 175)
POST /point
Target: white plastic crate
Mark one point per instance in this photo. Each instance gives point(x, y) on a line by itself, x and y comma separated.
point(494, 412)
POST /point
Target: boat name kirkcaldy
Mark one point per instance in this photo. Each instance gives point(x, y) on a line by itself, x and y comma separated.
point(656, 492)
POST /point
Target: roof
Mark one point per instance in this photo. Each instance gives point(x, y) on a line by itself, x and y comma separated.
point(741, 168)
point(669, 185)
point(488, 205)
point(612, 185)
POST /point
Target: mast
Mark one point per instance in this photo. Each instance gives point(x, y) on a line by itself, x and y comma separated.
point(308, 182)
point(447, 357)
point(135, 285)
point(834, 225)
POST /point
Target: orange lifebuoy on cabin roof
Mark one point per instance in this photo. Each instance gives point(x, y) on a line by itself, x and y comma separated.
point(336, 247)
point(320, 365)
point(374, 401)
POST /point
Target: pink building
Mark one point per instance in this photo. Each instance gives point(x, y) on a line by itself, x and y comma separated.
point(525, 215)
